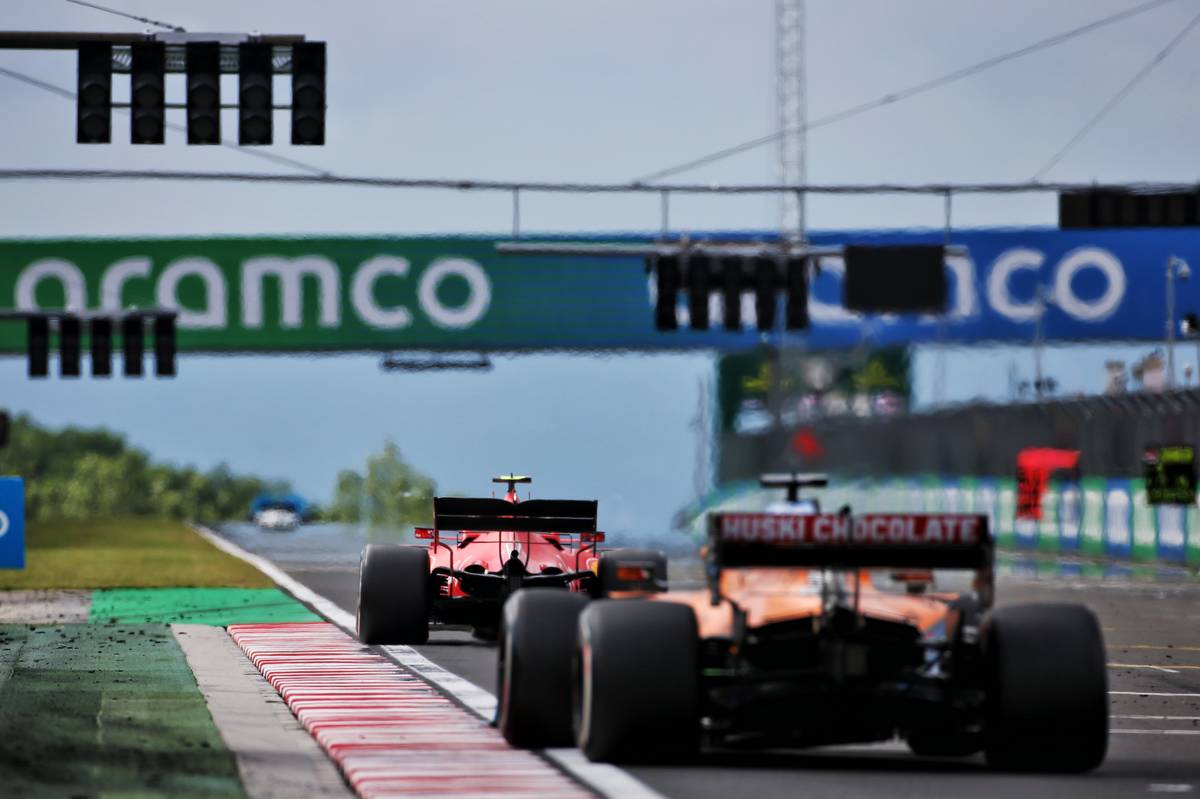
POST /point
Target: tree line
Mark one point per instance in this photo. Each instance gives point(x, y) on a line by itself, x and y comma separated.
point(77, 473)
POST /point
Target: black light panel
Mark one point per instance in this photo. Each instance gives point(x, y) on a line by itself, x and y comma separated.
point(308, 93)
point(148, 94)
point(164, 346)
point(698, 274)
point(70, 334)
point(102, 332)
point(94, 95)
point(666, 272)
point(766, 282)
point(797, 294)
point(204, 93)
point(38, 346)
point(897, 279)
point(133, 344)
point(255, 93)
point(731, 291)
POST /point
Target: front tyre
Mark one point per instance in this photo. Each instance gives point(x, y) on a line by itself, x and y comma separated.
point(1047, 688)
point(537, 643)
point(637, 682)
point(393, 595)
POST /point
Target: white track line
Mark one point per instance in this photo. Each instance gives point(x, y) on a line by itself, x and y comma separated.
point(1156, 718)
point(1146, 666)
point(606, 780)
point(1148, 693)
point(1155, 732)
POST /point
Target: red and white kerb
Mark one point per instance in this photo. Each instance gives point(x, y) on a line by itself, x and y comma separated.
point(391, 733)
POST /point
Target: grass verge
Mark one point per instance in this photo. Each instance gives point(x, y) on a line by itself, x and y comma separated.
point(94, 710)
point(125, 553)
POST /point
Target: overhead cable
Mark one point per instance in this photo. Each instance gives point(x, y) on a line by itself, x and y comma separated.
point(1116, 99)
point(118, 12)
point(903, 94)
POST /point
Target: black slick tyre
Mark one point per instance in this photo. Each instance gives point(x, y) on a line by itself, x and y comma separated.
point(637, 681)
point(1047, 689)
point(393, 595)
point(537, 644)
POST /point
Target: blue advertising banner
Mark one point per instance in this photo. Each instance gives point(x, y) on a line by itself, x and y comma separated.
point(1095, 284)
point(456, 292)
point(12, 523)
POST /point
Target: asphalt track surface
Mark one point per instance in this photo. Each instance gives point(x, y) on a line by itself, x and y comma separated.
point(1152, 631)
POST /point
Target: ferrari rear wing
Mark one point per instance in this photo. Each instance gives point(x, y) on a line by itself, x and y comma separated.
point(530, 516)
point(884, 540)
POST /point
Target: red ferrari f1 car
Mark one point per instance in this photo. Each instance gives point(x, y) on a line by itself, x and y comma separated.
point(483, 549)
point(814, 629)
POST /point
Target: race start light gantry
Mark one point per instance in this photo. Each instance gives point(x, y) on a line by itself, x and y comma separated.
point(99, 328)
point(1122, 208)
point(703, 276)
point(203, 58)
point(878, 279)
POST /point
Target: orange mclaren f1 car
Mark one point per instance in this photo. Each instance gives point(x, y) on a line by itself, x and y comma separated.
point(481, 550)
point(813, 629)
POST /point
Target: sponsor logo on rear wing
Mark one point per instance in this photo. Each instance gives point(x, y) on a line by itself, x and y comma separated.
point(880, 540)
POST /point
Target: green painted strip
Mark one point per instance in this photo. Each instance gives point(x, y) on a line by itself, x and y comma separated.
point(216, 606)
point(106, 710)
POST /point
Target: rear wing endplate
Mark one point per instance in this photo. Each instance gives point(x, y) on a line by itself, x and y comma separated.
point(530, 516)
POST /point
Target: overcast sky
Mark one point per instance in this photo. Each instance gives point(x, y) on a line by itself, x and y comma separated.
point(581, 90)
point(611, 90)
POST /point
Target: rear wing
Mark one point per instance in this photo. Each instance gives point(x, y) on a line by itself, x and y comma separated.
point(883, 540)
point(530, 516)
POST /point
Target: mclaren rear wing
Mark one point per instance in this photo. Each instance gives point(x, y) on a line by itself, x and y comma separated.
point(882, 540)
point(530, 516)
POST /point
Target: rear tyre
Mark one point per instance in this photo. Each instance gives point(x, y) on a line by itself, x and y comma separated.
point(393, 595)
point(960, 744)
point(637, 682)
point(610, 579)
point(1047, 688)
point(533, 686)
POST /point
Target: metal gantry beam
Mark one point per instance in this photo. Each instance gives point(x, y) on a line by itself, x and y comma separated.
point(176, 45)
point(567, 187)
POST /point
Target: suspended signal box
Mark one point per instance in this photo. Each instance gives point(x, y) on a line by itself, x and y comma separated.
point(900, 279)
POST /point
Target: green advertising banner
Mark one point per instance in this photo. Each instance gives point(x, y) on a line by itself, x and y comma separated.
point(312, 294)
